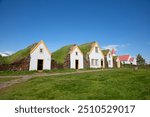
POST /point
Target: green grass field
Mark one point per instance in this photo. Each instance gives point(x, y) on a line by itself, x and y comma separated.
point(17, 73)
point(116, 84)
point(2, 80)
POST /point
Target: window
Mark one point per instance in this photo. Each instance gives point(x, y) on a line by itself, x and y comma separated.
point(96, 49)
point(96, 62)
point(109, 62)
point(41, 50)
point(109, 55)
point(77, 53)
point(92, 62)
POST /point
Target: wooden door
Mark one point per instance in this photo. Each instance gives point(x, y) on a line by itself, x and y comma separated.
point(40, 64)
point(77, 64)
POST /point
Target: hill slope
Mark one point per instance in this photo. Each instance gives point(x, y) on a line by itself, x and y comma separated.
point(17, 56)
point(60, 54)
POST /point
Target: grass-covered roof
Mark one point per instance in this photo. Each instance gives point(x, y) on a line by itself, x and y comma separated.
point(115, 57)
point(60, 54)
point(105, 52)
point(85, 48)
point(17, 56)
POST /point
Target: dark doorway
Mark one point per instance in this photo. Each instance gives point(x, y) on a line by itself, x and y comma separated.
point(40, 64)
point(102, 63)
point(77, 64)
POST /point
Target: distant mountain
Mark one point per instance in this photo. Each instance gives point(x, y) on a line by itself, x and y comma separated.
point(5, 53)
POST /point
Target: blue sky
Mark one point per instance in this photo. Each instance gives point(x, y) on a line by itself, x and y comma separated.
point(123, 24)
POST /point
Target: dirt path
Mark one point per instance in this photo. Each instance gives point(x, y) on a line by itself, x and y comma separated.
point(23, 78)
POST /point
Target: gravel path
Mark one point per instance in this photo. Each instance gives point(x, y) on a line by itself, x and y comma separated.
point(23, 78)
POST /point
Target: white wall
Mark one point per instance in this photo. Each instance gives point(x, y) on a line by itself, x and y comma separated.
point(37, 55)
point(118, 63)
point(110, 59)
point(134, 62)
point(125, 62)
point(74, 57)
point(99, 56)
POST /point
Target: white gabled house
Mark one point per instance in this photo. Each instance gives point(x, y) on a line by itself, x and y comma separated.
point(40, 57)
point(76, 58)
point(108, 58)
point(116, 61)
point(34, 57)
point(93, 56)
point(68, 56)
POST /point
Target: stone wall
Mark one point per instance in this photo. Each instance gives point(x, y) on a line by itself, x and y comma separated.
point(86, 62)
point(66, 65)
point(114, 63)
point(17, 66)
point(106, 62)
point(55, 65)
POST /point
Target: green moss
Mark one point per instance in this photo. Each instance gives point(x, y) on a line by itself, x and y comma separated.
point(105, 52)
point(60, 54)
point(115, 57)
point(18, 55)
point(85, 48)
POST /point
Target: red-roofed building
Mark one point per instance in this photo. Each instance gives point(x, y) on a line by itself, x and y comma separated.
point(127, 59)
point(113, 52)
point(131, 59)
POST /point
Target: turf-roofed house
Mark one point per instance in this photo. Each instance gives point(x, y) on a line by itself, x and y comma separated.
point(34, 57)
point(67, 57)
point(108, 58)
point(93, 56)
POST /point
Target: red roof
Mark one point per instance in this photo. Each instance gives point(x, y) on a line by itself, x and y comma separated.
point(131, 59)
point(113, 51)
point(124, 57)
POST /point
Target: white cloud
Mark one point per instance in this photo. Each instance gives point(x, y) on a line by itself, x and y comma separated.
point(124, 45)
point(110, 47)
point(115, 46)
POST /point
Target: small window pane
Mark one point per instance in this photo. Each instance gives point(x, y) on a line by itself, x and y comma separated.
point(41, 50)
point(76, 53)
point(96, 49)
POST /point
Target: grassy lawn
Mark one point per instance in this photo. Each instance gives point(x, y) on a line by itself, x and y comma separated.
point(16, 73)
point(12, 73)
point(2, 80)
point(106, 84)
